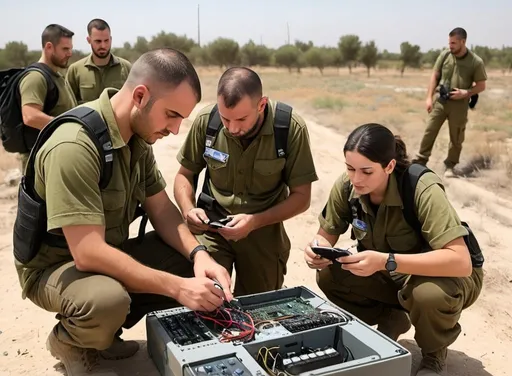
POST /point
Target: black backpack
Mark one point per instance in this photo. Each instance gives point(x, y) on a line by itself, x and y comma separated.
point(16, 136)
point(30, 225)
point(407, 187)
point(282, 119)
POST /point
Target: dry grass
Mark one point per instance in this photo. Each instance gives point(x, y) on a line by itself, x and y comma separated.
point(343, 101)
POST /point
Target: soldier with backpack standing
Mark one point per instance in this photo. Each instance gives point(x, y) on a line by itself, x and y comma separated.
point(417, 262)
point(37, 94)
point(258, 173)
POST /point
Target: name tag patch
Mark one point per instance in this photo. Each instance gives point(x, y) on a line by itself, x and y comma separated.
point(217, 155)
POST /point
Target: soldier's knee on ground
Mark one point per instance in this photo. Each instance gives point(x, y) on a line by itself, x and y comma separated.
point(427, 296)
point(100, 311)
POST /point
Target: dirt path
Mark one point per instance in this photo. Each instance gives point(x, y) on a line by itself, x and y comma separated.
point(481, 350)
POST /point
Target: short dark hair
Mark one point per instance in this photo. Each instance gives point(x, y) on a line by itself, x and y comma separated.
point(237, 82)
point(97, 23)
point(164, 66)
point(379, 145)
point(459, 32)
point(53, 32)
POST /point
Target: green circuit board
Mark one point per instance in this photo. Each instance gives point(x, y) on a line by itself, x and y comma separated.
point(281, 308)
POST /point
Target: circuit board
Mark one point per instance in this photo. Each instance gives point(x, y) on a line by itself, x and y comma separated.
point(186, 329)
point(310, 321)
point(279, 310)
point(284, 332)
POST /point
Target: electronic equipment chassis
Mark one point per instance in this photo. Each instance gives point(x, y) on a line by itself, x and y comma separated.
point(296, 332)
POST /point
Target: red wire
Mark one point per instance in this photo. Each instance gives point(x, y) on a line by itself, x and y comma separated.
point(226, 321)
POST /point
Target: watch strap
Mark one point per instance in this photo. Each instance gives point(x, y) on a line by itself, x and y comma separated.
point(199, 248)
point(391, 263)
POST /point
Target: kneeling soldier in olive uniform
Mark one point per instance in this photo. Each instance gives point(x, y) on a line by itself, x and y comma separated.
point(100, 280)
point(88, 77)
point(262, 151)
point(426, 272)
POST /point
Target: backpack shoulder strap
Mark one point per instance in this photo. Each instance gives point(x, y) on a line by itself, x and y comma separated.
point(282, 119)
point(52, 95)
point(97, 130)
point(445, 54)
point(407, 188)
point(212, 129)
point(214, 124)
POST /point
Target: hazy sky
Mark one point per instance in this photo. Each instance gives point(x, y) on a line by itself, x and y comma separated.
point(426, 23)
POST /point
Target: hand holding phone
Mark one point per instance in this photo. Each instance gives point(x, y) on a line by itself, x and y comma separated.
point(220, 223)
point(330, 253)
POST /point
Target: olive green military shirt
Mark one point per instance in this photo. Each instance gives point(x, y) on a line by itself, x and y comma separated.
point(388, 231)
point(254, 179)
point(67, 173)
point(87, 80)
point(462, 70)
point(33, 90)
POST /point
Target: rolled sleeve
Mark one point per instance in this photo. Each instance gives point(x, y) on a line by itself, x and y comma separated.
point(72, 192)
point(335, 217)
point(33, 89)
point(440, 222)
point(480, 73)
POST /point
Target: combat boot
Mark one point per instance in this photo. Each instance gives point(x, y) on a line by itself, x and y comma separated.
point(120, 349)
point(433, 364)
point(76, 360)
point(395, 324)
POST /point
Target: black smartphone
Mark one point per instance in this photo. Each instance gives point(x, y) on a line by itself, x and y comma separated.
point(330, 253)
point(220, 223)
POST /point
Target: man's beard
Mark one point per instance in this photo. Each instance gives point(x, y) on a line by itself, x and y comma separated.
point(140, 122)
point(102, 55)
point(59, 63)
point(253, 131)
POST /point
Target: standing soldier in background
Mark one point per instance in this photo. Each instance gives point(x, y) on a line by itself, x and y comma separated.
point(456, 70)
point(89, 76)
point(35, 90)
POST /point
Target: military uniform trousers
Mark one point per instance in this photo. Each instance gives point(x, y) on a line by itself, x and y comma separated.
point(434, 304)
point(456, 112)
point(92, 308)
point(259, 259)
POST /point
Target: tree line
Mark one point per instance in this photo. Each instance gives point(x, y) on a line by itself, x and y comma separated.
point(350, 52)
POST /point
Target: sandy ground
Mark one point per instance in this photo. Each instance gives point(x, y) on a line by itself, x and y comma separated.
point(481, 350)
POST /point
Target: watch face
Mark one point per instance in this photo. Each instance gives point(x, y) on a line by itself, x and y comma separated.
point(391, 265)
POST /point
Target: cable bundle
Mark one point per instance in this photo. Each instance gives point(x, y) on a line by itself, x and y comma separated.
point(272, 361)
point(236, 325)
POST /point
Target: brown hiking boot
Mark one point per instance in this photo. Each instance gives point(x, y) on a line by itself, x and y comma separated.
point(395, 324)
point(76, 360)
point(433, 364)
point(120, 349)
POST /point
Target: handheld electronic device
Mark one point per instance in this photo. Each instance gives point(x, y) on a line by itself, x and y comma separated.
point(220, 223)
point(330, 253)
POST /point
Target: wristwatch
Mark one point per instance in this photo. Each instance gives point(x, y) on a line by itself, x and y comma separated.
point(199, 248)
point(391, 263)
